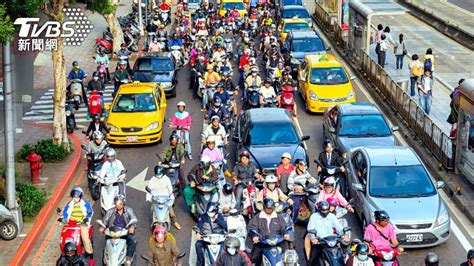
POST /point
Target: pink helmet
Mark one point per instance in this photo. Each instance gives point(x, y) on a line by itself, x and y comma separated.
point(332, 201)
point(329, 181)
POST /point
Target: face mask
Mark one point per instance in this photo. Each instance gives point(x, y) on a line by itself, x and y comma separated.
point(254, 74)
point(231, 251)
point(271, 186)
point(362, 257)
point(96, 78)
point(324, 214)
point(76, 200)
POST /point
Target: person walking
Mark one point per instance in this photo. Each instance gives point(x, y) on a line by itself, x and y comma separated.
point(416, 70)
point(428, 61)
point(378, 36)
point(400, 51)
point(425, 91)
point(381, 56)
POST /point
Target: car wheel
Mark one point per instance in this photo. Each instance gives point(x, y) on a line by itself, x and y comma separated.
point(8, 230)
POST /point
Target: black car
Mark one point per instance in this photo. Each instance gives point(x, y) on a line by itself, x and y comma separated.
point(158, 68)
point(267, 133)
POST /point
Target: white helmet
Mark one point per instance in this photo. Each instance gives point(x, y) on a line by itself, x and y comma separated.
point(271, 179)
point(286, 155)
point(181, 103)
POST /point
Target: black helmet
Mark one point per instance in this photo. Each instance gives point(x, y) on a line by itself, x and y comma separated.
point(362, 249)
point(431, 259)
point(470, 254)
point(75, 63)
point(381, 215)
point(285, 72)
point(323, 206)
point(268, 81)
point(77, 191)
point(232, 242)
point(217, 102)
point(220, 84)
point(174, 136)
point(70, 247)
point(269, 203)
point(96, 117)
point(327, 143)
point(118, 198)
point(159, 170)
point(227, 189)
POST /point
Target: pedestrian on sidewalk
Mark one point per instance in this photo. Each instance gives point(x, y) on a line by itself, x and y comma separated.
point(453, 115)
point(388, 36)
point(382, 51)
point(425, 90)
point(400, 51)
point(416, 70)
point(378, 38)
point(428, 61)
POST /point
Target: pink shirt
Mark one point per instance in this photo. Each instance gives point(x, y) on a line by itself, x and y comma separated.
point(183, 120)
point(335, 194)
point(214, 154)
point(281, 170)
point(378, 241)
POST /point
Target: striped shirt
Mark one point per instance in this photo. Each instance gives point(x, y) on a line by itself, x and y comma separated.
point(77, 214)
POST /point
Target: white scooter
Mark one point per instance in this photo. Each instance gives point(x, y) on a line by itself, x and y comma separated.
point(177, 55)
point(109, 190)
point(214, 247)
point(160, 205)
point(237, 227)
point(76, 91)
point(116, 245)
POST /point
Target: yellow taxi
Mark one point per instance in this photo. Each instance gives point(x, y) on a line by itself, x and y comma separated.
point(137, 114)
point(230, 5)
point(289, 24)
point(323, 82)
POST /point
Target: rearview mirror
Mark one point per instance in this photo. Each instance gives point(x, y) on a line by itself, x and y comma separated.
point(58, 210)
point(148, 189)
point(99, 222)
point(182, 254)
point(395, 128)
point(305, 137)
point(357, 187)
point(83, 147)
point(440, 184)
point(353, 78)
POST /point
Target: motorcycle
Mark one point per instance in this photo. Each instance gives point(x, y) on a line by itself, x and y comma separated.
point(8, 227)
point(271, 253)
point(160, 205)
point(287, 98)
point(270, 102)
point(162, 42)
point(71, 232)
point(308, 197)
point(384, 257)
point(177, 55)
point(108, 190)
point(334, 171)
point(229, 47)
point(340, 213)
point(253, 97)
point(76, 91)
point(236, 226)
point(335, 249)
point(181, 135)
point(116, 244)
point(175, 263)
point(205, 194)
point(208, 94)
point(105, 42)
point(165, 13)
point(172, 171)
point(70, 117)
point(249, 196)
point(213, 248)
point(95, 161)
point(130, 41)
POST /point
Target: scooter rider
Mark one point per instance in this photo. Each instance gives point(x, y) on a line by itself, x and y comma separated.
point(113, 167)
point(470, 258)
point(210, 222)
point(297, 182)
point(361, 257)
point(328, 158)
point(217, 109)
point(244, 171)
point(270, 190)
point(432, 259)
point(102, 57)
point(96, 125)
point(174, 151)
point(267, 222)
point(267, 91)
point(325, 224)
point(95, 84)
point(215, 130)
point(98, 145)
point(233, 256)
point(121, 74)
point(121, 216)
point(162, 249)
point(124, 52)
point(224, 95)
point(381, 233)
point(77, 73)
point(182, 119)
point(80, 210)
point(70, 257)
point(330, 192)
point(226, 198)
point(287, 80)
point(210, 151)
point(160, 184)
point(202, 171)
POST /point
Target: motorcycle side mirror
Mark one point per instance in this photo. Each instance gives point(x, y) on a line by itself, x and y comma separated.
point(84, 147)
point(305, 137)
point(145, 257)
point(181, 255)
point(99, 222)
point(148, 189)
point(132, 222)
point(346, 229)
point(89, 212)
point(254, 232)
point(58, 210)
point(395, 128)
point(317, 161)
point(233, 231)
point(332, 130)
point(357, 187)
point(351, 201)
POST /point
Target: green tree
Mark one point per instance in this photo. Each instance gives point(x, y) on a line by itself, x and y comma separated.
point(108, 8)
point(6, 25)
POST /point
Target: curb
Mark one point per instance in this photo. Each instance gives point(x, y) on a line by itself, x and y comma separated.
point(48, 210)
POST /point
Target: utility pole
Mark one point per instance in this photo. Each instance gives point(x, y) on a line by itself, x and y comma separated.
point(12, 204)
point(140, 18)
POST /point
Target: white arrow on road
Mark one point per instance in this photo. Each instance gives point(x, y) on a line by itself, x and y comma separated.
point(138, 182)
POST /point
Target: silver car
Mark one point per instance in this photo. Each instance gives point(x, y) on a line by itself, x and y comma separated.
point(395, 180)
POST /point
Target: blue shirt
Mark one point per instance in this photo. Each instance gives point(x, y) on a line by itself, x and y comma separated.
point(120, 220)
point(224, 96)
point(176, 42)
point(324, 226)
point(79, 75)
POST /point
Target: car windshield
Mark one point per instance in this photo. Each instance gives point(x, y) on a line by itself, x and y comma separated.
point(400, 182)
point(307, 45)
point(154, 64)
point(271, 134)
point(231, 5)
point(298, 13)
point(364, 126)
point(295, 26)
point(328, 76)
point(139, 102)
point(194, 1)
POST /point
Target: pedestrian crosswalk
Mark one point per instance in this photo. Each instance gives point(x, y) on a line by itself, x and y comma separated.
point(42, 110)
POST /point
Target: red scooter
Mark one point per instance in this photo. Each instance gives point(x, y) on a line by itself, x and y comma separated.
point(102, 71)
point(96, 105)
point(105, 42)
point(71, 232)
point(287, 98)
point(385, 257)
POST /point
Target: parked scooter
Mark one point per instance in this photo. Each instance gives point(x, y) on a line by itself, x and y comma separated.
point(213, 248)
point(335, 249)
point(109, 190)
point(160, 205)
point(106, 42)
point(8, 227)
point(71, 232)
point(116, 244)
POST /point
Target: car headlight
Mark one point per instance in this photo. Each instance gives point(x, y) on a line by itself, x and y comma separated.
point(152, 126)
point(313, 96)
point(351, 95)
point(112, 128)
point(166, 84)
point(443, 217)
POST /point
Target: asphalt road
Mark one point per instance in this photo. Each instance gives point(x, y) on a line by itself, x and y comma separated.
point(464, 4)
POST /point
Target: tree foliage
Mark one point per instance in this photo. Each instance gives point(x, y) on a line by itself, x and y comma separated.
point(103, 7)
point(6, 26)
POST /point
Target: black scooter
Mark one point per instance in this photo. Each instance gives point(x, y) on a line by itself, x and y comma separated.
point(334, 171)
point(95, 161)
point(334, 250)
point(70, 117)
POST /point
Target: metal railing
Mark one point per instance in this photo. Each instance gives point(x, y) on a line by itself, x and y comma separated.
point(398, 99)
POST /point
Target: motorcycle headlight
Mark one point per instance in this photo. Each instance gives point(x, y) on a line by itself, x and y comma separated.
point(112, 128)
point(152, 126)
point(443, 217)
point(387, 255)
point(351, 95)
point(313, 96)
point(68, 113)
point(166, 84)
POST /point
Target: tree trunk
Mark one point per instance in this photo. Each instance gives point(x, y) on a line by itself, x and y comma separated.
point(115, 29)
point(59, 97)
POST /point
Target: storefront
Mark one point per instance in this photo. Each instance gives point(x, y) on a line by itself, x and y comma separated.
point(465, 137)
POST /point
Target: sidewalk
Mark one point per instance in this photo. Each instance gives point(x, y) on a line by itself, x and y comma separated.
point(452, 60)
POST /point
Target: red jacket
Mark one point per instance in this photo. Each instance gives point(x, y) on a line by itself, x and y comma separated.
point(244, 60)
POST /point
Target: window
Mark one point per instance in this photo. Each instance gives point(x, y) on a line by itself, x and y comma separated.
point(307, 45)
point(328, 76)
point(364, 126)
point(140, 102)
point(271, 134)
point(231, 5)
point(154, 64)
point(295, 26)
point(295, 13)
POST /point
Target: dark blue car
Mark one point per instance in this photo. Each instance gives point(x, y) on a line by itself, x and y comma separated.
point(158, 68)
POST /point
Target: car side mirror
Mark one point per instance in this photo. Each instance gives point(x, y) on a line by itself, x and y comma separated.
point(328, 49)
point(332, 130)
point(395, 128)
point(148, 189)
point(353, 78)
point(305, 137)
point(440, 184)
point(357, 187)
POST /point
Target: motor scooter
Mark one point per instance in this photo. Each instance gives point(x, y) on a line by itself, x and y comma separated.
point(271, 254)
point(165, 13)
point(102, 72)
point(160, 205)
point(95, 161)
point(181, 132)
point(177, 55)
point(214, 246)
point(208, 94)
point(71, 232)
point(162, 42)
point(70, 117)
point(249, 197)
point(95, 105)
point(175, 263)
point(205, 193)
point(116, 244)
point(8, 228)
point(229, 47)
point(76, 88)
point(109, 190)
point(334, 171)
point(106, 42)
point(384, 257)
point(270, 102)
point(130, 41)
point(308, 197)
point(287, 98)
point(172, 171)
point(236, 226)
point(334, 249)
point(253, 97)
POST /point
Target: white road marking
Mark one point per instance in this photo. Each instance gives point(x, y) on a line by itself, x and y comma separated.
point(138, 182)
point(192, 249)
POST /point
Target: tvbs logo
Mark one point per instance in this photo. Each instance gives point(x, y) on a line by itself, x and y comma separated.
point(29, 28)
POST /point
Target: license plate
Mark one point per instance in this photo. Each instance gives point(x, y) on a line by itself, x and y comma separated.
point(132, 138)
point(414, 238)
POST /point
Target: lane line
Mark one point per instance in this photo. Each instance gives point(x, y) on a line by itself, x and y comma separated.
point(192, 250)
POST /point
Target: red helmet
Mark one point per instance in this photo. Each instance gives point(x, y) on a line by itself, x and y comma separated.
point(333, 202)
point(159, 233)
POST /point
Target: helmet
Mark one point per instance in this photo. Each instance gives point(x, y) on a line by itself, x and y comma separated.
point(254, 70)
point(159, 233)
point(329, 181)
point(96, 117)
point(77, 191)
point(269, 203)
point(110, 153)
point(215, 117)
point(286, 155)
point(362, 249)
point(227, 189)
point(327, 143)
point(300, 161)
point(75, 63)
point(232, 244)
point(332, 202)
point(205, 162)
point(119, 198)
point(162, 26)
point(212, 207)
point(268, 81)
point(432, 258)
point(209, 67)
point(225, 73)
point(381, 215)
point(271, 179)
point(470, 254)
point(244, 153)
point(70, 247)
point(323, 206)
point(97, 135)
point(159, 171)
point(221, 84)
point(181, 103)
point(247, 51)
point(210, 139)
point(122, 62)
point(285, 72)
point(217, 102)
point(174, 136)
